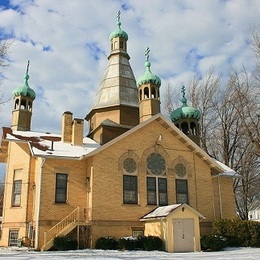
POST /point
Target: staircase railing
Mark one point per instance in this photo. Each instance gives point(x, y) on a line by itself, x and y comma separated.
point(73, 217)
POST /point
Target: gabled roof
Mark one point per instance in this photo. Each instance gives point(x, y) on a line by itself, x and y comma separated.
point(169, 126)
point(108, 122)
point(164, 211)
point(49, 145)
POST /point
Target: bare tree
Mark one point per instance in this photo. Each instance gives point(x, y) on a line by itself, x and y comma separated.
point(4, 48)
point(247, 104)
point(229, 128)
point(254, 37)
point(168, 104)
point(201, 94)
point(247, 188)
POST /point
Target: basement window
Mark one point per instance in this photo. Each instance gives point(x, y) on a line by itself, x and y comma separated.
point(13, 237)
point(137, 233)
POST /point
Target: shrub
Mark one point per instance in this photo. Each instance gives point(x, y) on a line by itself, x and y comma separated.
point(238, 232)
point(128, 243)
point(63, 243)
point(151, 243)
point(107, 243)
point(213, 243)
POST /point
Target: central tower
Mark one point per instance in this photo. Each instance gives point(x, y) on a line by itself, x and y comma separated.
point(115, 109)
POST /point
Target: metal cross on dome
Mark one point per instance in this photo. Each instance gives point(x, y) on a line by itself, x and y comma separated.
point(183, 91)
point(118, 16)
point(147, 53)
point(27, 69)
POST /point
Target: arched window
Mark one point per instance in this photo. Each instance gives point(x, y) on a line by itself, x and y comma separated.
point(23, 104)
point(193, 128)
point(146, 92)
point(153, 94)
point(30, 106)
point(181, 183)
point(140, 95)
point(16, 104)
point(130, 191)
point(156, 181)
point(115, 45)
point(185, 128)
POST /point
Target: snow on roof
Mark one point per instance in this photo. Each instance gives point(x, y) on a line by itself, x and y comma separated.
point(162, 211)
point(228, 172)
point(50, 145)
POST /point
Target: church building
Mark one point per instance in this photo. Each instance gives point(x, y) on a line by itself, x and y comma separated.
point(133, 161)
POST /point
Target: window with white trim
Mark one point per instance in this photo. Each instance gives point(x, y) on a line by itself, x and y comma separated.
point(137, 233)
point(157, 191)
point(17, 188)
point(182, 191)
point(13, 237)
point(61, 188)
point(157, 181)
point(130, 189)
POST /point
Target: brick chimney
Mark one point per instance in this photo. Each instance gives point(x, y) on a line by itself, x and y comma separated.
point(66, 127)
point(77, 131)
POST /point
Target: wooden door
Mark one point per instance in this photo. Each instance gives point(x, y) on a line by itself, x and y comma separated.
point(183, 235)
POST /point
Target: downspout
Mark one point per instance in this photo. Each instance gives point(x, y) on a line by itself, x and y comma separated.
point(219, 195)
point(27, 198)
point(38, 204)
point(220, 199)
point(196, 188)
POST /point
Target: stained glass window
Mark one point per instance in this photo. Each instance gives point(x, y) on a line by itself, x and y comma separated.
point(130, 189)
point(181, 191)
point(162, 185)
point(157, 191)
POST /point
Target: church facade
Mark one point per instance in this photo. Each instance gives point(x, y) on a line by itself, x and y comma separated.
point(132, 161)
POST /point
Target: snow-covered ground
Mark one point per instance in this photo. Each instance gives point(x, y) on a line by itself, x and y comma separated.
point(229, 253)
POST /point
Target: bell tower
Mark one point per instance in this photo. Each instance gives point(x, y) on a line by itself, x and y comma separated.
point(186, 118)
point(149, 91)
point(23, 102)
point(115, 109)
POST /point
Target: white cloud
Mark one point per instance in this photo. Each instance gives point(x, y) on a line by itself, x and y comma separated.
point(68, 44)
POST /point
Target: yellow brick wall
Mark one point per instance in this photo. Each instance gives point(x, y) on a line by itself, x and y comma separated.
point(107, 190)
point(16, 217)
point(97, 183)
point(50, 212)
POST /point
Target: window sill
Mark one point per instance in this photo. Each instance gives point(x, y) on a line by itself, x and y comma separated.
point(131, 204)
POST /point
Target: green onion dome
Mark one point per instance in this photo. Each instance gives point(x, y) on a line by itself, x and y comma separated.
point(25, 90)
point(148, 76)
point(118, 32)
point(185, 111)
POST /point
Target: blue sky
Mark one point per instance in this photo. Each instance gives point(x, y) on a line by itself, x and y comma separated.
point(67, 43)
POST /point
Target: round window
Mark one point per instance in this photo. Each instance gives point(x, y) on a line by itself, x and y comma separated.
point(130, 165)
point(180, 170)
point(156, 164)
